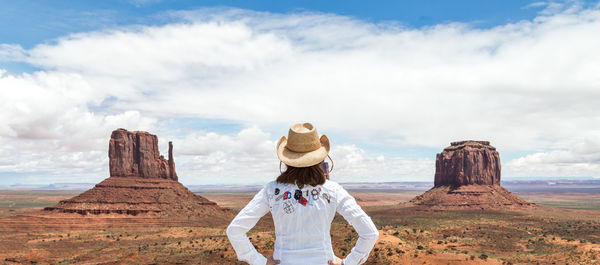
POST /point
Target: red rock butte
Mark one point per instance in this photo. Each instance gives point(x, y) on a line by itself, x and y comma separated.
point(141, 182)
point(135, 154)
point(467, 176)
point(467, 163)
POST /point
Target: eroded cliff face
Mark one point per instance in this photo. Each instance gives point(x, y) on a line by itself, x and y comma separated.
point(467, 163)
point(135, 154)
point(141, 183)
point(467, 176)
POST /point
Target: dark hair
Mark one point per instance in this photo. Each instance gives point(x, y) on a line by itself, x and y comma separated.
point(312, 175)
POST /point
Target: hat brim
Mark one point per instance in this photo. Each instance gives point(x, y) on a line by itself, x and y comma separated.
point(307, 159)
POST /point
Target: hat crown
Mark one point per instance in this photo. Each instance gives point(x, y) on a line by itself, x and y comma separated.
point(303, 137)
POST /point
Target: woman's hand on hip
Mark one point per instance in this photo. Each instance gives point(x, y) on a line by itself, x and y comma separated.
point(271, 261)
point(336, 261)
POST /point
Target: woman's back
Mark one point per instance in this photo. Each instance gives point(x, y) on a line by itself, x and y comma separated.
point(302, 219)
point(302, 214)
point(302, 225)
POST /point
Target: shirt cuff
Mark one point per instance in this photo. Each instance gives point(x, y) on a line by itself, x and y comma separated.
point(354, 259)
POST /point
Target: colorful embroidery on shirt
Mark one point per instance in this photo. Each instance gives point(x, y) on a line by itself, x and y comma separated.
point(315, 194)
point(288, 207)
point(326, 197)
point(287, 195)
point(297, 194)
point(303, 201)
point(279, 197)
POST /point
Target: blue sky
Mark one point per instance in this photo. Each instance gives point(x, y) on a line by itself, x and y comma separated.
point(391, 83)
point(29, 23)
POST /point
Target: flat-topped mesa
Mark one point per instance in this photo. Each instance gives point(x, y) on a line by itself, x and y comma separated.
point(467, 163)
point(135, 154)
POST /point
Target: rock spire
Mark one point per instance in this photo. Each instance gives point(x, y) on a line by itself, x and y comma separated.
point(141, 183)
point(135, 154)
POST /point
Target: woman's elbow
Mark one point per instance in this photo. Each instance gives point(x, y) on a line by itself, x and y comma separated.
point(231, 231)
point(372, 236)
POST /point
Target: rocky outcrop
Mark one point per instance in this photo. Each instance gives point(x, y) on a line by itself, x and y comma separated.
point(467, 176)
point(138, 196)
point(135, 154)
point(470, 197)
point(141, 183)
point(467, 163)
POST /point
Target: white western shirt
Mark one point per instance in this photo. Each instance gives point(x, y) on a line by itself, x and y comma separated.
point(302, 219)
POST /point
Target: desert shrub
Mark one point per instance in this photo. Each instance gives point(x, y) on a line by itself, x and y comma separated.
point(483, 256)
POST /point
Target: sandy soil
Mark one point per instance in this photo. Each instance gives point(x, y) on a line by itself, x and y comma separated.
point(542, 235)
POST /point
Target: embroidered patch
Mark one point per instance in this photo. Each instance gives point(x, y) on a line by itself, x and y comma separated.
point(303, 201)
point(297, 194)
point(276, 191)
point(315, 194)
point(326, 197)
point(286, 195)
point(288, 207)
point(279, 197)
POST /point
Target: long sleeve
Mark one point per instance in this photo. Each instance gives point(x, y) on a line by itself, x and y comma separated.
point(242, 223)
point(367, 232)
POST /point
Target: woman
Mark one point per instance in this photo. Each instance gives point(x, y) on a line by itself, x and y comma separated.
point(303, 204)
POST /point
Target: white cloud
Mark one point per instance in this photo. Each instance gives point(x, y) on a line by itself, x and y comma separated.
point(352, 163)
point(249, 157)
point(11, 52)
point(581, 160)
point(535, 5)
point(262, 68)
point(531, 85)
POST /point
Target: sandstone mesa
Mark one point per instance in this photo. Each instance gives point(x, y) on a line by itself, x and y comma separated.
point(467, 176)
point(141, 182)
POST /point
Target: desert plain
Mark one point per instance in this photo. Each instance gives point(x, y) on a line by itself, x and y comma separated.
point(563, 228)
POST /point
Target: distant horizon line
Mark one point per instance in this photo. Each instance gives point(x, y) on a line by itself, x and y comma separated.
point(519, 179)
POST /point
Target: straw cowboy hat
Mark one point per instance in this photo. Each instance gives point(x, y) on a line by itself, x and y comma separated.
point(303, 147)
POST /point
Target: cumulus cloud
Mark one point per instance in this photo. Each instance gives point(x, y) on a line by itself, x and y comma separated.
point(353, 163)
point(530, 85)
point(11, 52)
point(249, 157)
point(210, 157)
point(403, 83)
point(581, 160)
